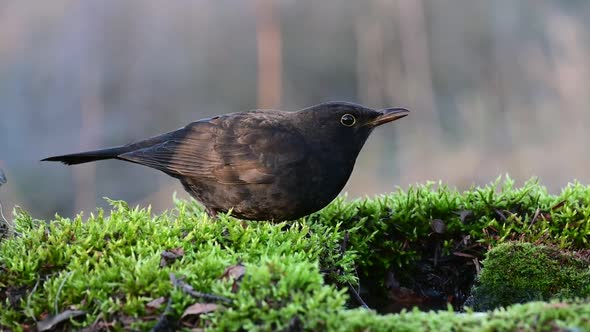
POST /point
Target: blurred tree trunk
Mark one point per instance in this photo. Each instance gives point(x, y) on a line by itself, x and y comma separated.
point(415, 53)
point(269, 43)
point(394, 68)
point(370, 57)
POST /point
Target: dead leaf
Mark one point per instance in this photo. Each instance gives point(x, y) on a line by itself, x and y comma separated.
point(465, 215)
point(169, 256)
point(157, 303)
point(199, 308)
point(558, 205)
point(51, 321)
point(235, 271)
point(178, 251)
point(438, 226)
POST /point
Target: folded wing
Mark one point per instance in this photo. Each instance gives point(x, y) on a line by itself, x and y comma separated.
point(229, 150)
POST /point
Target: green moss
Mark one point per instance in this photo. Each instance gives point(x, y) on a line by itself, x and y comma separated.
point(522, 272)
point(394, 234)
point(534, 316)
point(398, 225)
point(110, 265)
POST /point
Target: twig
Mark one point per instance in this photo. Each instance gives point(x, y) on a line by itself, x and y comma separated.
point(535, 216)
point(356, 296)
point(163, 323)
point(190, 291)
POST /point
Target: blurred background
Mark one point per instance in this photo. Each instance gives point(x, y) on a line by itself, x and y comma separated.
point(494, 87)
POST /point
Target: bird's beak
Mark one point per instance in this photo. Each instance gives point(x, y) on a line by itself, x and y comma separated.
point(388, 115)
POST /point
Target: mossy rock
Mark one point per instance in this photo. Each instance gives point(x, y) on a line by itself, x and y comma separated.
point(522, 272)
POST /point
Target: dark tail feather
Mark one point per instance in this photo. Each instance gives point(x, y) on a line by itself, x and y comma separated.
point(85, 157)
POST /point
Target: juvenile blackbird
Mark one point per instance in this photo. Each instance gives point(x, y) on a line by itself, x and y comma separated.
point(263, 164)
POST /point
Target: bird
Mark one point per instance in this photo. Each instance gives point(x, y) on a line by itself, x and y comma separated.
point(258, 165)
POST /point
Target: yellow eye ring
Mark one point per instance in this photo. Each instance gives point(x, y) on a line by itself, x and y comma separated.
point(348, 120)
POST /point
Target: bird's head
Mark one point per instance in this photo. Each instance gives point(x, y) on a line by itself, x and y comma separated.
point(341, 128)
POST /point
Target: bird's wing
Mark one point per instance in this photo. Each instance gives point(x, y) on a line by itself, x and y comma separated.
point(229, 151)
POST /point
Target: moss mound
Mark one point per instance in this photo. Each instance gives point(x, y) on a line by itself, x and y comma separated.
point(133, 270)
point(111, 268)
point(423, 246)
point(523, 272)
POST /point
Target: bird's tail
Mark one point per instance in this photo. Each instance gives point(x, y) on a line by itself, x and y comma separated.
point(85, 157)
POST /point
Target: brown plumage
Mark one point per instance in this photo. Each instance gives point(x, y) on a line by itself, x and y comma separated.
point(263, 165)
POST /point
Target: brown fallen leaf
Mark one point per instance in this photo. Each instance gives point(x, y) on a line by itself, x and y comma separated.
point(234, 271)
point(51, 321)
point(465, 215)
point(157, 303)
point(199, 308)
point(169, 256)
point(178, 251)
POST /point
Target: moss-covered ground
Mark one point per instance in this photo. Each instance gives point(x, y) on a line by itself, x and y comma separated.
point(522, 272)
point(131, 270)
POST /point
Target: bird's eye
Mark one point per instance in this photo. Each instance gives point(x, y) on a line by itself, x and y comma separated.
point(348, 120)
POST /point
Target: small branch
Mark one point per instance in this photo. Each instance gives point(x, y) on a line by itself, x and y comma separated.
point(357, 297)
point(535, 216)
point(163, 323)
point(188, 289)
point(355, 294)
